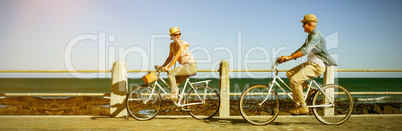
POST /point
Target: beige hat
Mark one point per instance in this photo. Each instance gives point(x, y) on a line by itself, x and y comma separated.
point(174, 30)
point(310, 18)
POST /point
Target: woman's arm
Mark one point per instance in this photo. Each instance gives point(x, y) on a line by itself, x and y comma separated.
point(168, 59)
point(176, 57)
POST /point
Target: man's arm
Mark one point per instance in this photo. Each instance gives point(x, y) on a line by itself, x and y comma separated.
point(293, 56)
point(314, 39)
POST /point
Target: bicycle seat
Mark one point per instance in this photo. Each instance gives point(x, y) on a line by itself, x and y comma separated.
point(317, 77)
point(192, 75)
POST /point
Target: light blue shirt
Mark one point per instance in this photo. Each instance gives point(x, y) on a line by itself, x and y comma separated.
point(315, 42)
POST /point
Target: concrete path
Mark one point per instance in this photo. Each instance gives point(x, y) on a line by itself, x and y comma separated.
point(356, 122)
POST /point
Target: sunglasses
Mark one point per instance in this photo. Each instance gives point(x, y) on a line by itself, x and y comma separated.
point(176, 34)
point(305, 23)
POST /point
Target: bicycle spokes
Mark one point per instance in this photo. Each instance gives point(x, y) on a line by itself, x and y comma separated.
point(206, 107)
point(257, 107)
point(143, 103)
point(332, 105)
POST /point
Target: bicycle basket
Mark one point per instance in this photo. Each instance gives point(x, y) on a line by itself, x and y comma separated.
point(150, 77)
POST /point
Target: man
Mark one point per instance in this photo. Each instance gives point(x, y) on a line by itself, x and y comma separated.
point(317, 60)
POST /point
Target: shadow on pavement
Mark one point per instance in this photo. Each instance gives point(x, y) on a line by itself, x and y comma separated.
point(244, 122)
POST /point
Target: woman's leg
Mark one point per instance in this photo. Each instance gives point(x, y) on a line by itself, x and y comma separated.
point(183, 70)
point(172, 80)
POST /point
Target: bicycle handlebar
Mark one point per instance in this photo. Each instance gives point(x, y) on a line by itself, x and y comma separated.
point(276, 63)
point(158, 68)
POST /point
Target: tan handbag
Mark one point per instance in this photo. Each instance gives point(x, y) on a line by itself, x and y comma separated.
point(150, 77)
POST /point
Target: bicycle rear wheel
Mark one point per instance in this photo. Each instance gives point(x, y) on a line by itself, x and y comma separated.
point(199, 110)
point(254, 110)
point(142, 103)
point(339, 112)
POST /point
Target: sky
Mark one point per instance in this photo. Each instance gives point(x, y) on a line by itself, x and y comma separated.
point(91, 35)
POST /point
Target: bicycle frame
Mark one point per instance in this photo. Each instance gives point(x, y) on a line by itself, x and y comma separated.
point(271, 85)
point(181, 95)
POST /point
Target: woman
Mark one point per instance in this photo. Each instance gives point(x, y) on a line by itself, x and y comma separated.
point(178, 52)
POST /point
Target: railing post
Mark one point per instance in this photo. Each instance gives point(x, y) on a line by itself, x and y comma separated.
point(329, 79)
point(224, 89)
point(118, 90)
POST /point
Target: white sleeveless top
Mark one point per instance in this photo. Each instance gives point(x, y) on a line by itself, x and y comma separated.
point(186, 56)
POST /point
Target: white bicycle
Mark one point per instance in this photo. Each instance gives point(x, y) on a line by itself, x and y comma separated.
point(202, 101)
point(260, 104)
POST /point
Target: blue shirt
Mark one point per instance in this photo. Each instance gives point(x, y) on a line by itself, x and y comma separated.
point(315, 42)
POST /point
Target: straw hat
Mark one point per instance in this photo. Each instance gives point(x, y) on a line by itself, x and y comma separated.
point(174, 30)
point(310, 18)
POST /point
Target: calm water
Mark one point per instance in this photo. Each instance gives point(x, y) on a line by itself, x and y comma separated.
point(73, 85)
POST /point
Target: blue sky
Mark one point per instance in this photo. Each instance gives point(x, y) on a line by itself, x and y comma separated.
point(36, 35)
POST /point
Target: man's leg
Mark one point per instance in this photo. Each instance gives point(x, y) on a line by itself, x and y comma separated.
point(307, 71)
point(293, 71)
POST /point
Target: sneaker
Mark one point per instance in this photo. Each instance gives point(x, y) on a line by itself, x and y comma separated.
point(173, 96)
point(299, 110)
point(310, 94)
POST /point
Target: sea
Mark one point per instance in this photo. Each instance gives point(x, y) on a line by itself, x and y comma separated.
point(237, 85)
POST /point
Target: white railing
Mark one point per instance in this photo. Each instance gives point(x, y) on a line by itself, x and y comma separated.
point(224, 83)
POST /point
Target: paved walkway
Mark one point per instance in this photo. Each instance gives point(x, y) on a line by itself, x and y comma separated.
point(356, 122)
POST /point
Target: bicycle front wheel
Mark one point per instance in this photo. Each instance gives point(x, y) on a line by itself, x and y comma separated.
point(203, 102)
point(339, 111)
point(257, 107)
point(143, 103)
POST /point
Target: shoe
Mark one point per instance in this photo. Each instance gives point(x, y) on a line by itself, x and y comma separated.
point(310, 94)
point(299, 110)
point(173, 96)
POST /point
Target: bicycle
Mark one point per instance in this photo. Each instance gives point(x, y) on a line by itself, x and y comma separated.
point(201, 102)
point(260, 104)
